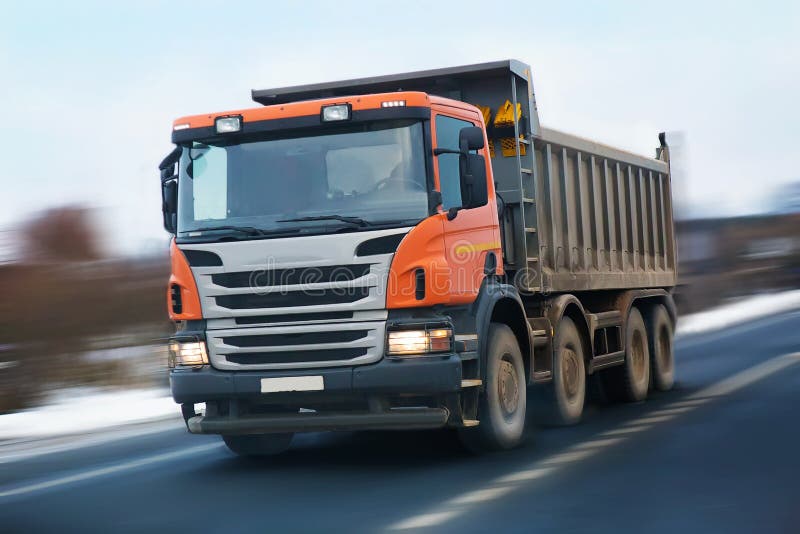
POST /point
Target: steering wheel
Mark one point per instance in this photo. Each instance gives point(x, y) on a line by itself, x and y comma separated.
point(386, 181)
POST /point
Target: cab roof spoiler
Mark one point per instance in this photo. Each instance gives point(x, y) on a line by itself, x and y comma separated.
point(448, 82)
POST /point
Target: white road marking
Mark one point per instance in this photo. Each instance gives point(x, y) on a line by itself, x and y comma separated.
point(104, 471)
point(650, 420)
point(568, 457)
point(748, 376)
point(426, 520)
point(688, 403)
point(526, 475)
point(505, 484)
point(598, 443)
point(672, 411)
point(626, 430)
point(481, 495)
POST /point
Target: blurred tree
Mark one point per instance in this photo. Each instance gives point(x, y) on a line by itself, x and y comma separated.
point(62, 234)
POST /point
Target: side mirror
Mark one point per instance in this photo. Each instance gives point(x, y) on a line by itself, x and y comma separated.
point(169, 190)
point(169, 205)
point(474, 192)
point(470, 138)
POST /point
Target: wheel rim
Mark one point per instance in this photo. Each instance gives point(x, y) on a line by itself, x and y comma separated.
point(508, 387)
point(570, 370)
point(637, 355)
point(665, 350)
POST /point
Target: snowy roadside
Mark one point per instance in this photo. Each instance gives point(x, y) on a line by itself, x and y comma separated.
point(737, 312)
point(83, 411)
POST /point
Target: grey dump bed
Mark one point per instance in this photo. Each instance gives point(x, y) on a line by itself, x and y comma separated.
point(579, 215)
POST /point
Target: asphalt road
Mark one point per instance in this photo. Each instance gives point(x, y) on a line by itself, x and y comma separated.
point(717, 454)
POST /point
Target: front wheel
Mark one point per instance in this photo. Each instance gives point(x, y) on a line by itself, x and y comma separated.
point(258, 444)
point(502, 405)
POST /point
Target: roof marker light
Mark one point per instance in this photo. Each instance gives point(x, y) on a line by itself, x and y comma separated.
point(181, 126)
point(393, 103)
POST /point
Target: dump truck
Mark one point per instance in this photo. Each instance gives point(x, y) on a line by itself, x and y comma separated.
point(410, 251)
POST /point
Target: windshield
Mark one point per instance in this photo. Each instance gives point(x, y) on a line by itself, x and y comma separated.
point(372, 173)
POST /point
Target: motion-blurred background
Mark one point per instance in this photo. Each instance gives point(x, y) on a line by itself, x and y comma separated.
point(89, 91)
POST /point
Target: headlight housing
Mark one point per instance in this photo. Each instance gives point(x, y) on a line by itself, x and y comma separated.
point(419, 339)
point(189, 352)
point(228, 124)
point(336, 112)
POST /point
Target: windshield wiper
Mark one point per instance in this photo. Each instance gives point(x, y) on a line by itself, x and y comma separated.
point(249, 230)
point(358, 221)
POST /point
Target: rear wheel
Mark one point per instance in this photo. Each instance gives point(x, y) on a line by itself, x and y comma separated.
point(629, 382)
point(502, 405)
point(561, 402)
point(662, 353)
point(258, 444)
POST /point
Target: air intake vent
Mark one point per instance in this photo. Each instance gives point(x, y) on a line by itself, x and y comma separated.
point(294, 318)
point(380, 245)
point(327, 355)
point(316, 297)
point(292, 276)
point(175, 299)
point(419, 276)
point(304, 338)
point(202, 258)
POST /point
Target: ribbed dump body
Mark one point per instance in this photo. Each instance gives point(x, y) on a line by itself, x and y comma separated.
point(604, 217)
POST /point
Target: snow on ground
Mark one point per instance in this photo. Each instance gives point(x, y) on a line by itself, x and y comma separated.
point(737, 312)
point(86, 410)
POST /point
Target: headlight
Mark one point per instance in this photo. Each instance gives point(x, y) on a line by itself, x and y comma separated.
point(187, 354)
point(421, 341)
point(228, 124)
point(339, 112)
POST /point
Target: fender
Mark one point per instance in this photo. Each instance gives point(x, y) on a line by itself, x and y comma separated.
point(490, 294)
point(555, 311)
point(625, 301)
point(558, 305)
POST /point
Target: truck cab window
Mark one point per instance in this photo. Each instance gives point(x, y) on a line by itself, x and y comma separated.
point(447, 129)
point(210, 200)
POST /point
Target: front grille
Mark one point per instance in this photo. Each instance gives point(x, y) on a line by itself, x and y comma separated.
point(292, 276)
point(316, 297)
point(300, 338)
point(307, 346)
point(264, 358)
point(293, 318)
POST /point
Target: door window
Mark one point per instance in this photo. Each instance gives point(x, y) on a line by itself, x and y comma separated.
point(447, 129)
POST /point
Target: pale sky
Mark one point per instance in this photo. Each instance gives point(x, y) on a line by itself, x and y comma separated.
point(89, 89)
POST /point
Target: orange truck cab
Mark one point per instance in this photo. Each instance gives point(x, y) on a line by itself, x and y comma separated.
point(409, 251)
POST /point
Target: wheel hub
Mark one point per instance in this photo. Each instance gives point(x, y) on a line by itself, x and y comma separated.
point(665, 350)
point(569, 372)
point(508, 387)
point(637, 355)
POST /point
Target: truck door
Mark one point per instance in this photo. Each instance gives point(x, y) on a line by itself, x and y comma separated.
point(473, 233)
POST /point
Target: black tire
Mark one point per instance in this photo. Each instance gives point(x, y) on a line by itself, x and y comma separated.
point(258, 444)
point(561, 402)
point(502, 404)
point(630, 381)
point(662, 350)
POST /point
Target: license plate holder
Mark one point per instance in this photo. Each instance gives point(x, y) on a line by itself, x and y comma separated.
point(285, 384)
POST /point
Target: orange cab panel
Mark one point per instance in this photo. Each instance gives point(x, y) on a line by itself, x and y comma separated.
point(181, 280)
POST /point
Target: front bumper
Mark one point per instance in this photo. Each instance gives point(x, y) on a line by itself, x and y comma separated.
point(393, 419)
point(425, 376)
